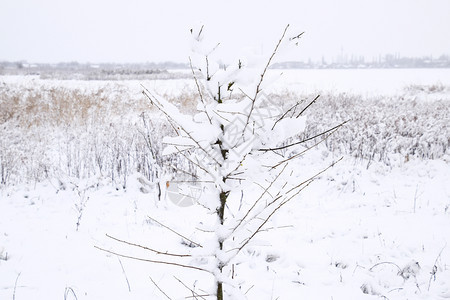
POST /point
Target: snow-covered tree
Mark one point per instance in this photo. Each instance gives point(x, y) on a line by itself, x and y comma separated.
point(243, 147)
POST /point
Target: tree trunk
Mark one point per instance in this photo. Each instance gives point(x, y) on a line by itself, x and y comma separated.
point(219, 291)
point(221, 213)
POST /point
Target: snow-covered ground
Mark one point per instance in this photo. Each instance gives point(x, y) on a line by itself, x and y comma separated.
point(366, 229)
point(360, 81)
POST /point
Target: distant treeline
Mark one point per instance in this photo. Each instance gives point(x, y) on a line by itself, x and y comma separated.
point(118, 71)
point(388, 61)
point(90, 71)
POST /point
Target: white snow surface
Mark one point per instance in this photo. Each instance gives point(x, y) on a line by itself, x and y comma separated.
point(352, 231)
point(357, 232)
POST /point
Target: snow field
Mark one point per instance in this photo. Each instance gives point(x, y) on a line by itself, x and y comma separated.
point(375, 225)
point(351, 234)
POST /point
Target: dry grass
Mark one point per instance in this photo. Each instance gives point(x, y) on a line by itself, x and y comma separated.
point(56, 131)
point(382, 127)
point(58, 106)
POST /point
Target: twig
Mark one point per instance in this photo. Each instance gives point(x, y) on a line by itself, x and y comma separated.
point(218, 113)
point(384, 263)
point(278, 227)
point(235, 178)
point(258, 86)
point(199, 90)
point(175, 129)
point(208, 78)
point(160, 107)
point(170, 229)
point(260, 197)
point(245, 94)
point(296, 37)
point(153, 261)
point(125, 274)
point(305, 140)
point(160, 288)
point(194, 293)
point(284, 115)
point(395, 289)
point(80, 209)
point(188, 147)
point(238, 165)
point(434, 270)
point(199, 146)
point(305, 184)
point(193, 162)
point(66, 293)
point(303, 110)
point(199, 33)
point(302, 152)
point(147, 137)
point(147, 248)
point(314, 176)
point(269, 216)
point(15, 286)
point(249, 289)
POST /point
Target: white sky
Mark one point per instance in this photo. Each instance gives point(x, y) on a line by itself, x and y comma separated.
point(140, 31)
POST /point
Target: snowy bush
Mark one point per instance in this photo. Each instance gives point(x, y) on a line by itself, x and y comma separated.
point(243, 147)
point(384, 128)
point(55, 131)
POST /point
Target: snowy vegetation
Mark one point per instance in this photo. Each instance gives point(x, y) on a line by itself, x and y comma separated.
point(82, 129)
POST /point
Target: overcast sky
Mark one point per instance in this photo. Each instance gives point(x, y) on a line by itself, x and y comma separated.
point(154, 31)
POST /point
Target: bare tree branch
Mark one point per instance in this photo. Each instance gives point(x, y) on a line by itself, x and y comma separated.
point(301, 187)
point(160, 107)
point(302, 152)
point(147, 248)
point(314, 176)
point(297, 36)
point(305, 140)
point(193, 162)
point(170, 229)
point(258, 86)
point(270, 216)
point(153, 261)
point(124, 274)
point(307, 106)
point(160, 289)
point(199, 33)
point(194, 293)
point(284, 115)
point(199, 90)
point(259, 198)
